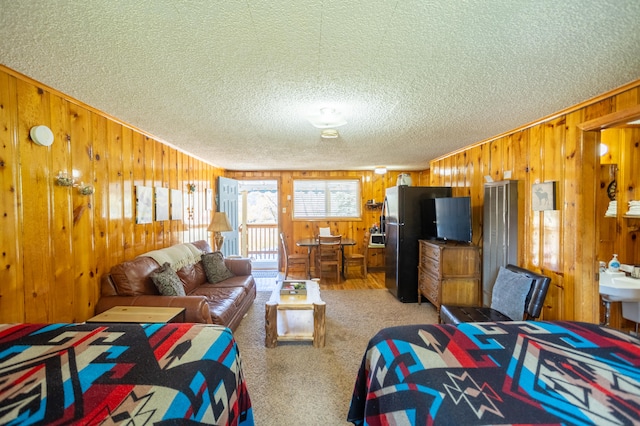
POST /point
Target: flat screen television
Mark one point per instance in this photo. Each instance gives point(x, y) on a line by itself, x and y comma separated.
point(448, 218)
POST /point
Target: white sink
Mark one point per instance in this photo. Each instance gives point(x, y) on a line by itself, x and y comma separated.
point(616, 287)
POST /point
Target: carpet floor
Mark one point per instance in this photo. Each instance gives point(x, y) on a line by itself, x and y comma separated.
point(296, 383)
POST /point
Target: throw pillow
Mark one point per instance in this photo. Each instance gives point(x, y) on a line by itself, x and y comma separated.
point(214, 267)
point(509, 293)
point(167, 281)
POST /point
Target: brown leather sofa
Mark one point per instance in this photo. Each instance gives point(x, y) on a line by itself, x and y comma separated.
point(224, 303)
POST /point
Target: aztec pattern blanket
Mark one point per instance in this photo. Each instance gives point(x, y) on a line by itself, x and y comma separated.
point(498, 373)
point(132, 374)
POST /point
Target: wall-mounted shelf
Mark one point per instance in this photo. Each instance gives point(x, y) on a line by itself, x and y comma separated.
point(373, 206)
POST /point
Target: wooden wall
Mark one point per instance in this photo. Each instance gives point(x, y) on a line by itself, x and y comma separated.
point(373, 188)
point(619, 234)
point(56, 243)
point(564, 243)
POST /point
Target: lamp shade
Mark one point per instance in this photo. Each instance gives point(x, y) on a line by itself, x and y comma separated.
point(219, 223)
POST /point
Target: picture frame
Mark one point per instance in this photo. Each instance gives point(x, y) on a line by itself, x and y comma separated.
point(176, 204)
point(543, 196)
point(208, 199)
point(162, 203)
point(144, 204)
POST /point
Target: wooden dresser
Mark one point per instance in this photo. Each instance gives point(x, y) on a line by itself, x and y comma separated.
point(449, 273)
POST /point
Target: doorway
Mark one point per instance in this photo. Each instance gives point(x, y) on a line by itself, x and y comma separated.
point(258, 223)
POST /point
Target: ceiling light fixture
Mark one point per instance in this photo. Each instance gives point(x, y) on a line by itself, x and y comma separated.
point(329, 134)
point(380, 170)
point(328, 117)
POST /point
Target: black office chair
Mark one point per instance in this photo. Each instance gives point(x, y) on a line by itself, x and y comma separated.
point(531, 309)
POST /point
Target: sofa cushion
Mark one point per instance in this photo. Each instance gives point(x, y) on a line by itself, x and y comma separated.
point(215, 268)
point(192, 276)
point(131, 278)
point(167, 281)
point(223, 301)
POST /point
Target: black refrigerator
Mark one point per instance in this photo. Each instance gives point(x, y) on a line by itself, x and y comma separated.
point(404, 224)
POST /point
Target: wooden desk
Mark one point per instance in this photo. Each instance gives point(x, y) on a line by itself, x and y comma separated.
point(309, 243)
point(139, 314)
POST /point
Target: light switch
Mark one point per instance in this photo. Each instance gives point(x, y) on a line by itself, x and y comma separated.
point(284, 210)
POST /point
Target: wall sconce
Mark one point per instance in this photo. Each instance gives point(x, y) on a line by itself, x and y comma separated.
point(380, 170)
point(63, 179)
point(219, 223)
point(603, 149)
point(85, 189)
point(41, 135)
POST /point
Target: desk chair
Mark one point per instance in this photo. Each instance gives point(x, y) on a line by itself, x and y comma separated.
point(517, 294)
point(329, 255)
point(293, 259)
point(358, 259)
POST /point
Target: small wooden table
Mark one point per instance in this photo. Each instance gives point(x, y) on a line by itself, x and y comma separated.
point(295, 317)
point(139, 314)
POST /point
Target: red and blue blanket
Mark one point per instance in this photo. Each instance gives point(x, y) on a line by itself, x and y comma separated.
point(498, 373)
point(132, 374)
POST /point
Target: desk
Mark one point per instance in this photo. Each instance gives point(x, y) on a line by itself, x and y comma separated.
point(309, 243)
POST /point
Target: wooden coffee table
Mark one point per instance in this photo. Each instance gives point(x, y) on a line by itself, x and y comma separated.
point(139, 314)
point(295, 317)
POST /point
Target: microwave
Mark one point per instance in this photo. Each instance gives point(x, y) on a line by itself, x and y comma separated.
point(376, 240)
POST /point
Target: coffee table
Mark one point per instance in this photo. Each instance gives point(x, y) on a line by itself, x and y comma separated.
point(295, 317)
point(139, 314)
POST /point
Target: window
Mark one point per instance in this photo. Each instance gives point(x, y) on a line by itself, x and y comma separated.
point(319, 199)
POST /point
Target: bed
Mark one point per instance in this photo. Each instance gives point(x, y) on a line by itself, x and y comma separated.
point(133, 374)
point(498, 373)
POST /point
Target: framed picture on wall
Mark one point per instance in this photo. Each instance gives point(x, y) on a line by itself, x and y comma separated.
point(543, 196)
point(176, 204)
point(144, 204)
point(208, 199)
point(162, 203)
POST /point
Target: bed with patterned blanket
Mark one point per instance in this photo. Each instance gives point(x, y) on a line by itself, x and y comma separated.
point(132, 374)
point(498, 373)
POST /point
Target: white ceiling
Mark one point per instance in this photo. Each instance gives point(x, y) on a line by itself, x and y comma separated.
point(232, 81)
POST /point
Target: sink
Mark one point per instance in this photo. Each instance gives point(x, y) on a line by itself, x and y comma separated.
point(616, 287)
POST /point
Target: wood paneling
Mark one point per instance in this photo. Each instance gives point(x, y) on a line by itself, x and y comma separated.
point(57, 243)
point(563, 243)
point(373, 188)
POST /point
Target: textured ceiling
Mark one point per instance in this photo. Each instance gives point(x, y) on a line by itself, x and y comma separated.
point(231, 82)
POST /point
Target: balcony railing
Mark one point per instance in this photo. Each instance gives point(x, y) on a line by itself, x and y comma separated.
point(261, 241)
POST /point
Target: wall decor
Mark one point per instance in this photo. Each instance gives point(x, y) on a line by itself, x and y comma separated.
point(144, 204)
point(162, 203)
point(176, 204)
point(543, 196)
point(208, 199)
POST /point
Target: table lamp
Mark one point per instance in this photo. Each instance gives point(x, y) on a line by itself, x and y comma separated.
point(219, 223)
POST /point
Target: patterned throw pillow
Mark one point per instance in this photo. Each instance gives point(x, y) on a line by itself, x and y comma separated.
point(509, 293)
point(215, 268)
point(167, 281)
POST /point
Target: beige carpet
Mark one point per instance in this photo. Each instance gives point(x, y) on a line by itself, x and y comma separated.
point(296, 383)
